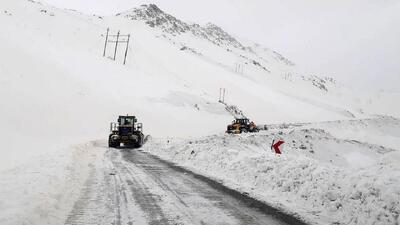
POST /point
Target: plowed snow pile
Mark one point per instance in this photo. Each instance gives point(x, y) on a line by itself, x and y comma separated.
point(324, 178)
point(44, 190)
point(57, 91)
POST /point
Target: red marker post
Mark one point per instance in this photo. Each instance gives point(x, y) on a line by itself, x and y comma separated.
point(276, 146)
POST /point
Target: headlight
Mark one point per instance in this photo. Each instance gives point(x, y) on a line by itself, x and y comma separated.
point(115, 137)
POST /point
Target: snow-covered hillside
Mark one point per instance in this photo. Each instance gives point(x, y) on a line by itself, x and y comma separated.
point(58, 91)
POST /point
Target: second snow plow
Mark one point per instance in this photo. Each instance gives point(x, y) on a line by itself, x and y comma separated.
point(240, 125)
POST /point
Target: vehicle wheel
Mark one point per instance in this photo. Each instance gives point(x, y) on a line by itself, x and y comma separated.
point(112, 144)
point(139, 143)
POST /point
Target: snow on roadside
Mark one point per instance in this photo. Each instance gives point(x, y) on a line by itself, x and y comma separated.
point(65, 85)
point(382, 131)
point(304, 180)
point(44, 190)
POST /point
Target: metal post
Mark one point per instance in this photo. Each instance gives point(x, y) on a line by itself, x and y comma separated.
point(127, 45)
point(116, 46)
point(105, 45)
point(223, 96)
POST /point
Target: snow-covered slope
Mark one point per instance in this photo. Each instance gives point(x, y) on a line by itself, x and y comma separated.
point(259, 80)
point(57, 90)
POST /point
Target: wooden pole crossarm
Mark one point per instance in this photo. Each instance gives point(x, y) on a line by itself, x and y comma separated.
point(121, 35)
point(118, 41)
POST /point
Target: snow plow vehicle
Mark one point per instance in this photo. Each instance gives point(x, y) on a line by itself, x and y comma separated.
point(240, 125)
point(127, 132)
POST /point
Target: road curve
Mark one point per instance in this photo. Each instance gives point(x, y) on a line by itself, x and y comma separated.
point(138, 188)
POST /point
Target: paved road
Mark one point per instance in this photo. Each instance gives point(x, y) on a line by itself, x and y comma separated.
point(136, 188)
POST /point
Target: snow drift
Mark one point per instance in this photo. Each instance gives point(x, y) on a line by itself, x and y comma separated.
point(322, 178)
point(58, 91)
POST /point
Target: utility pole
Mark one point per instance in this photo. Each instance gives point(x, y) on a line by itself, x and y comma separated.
point(239, 68)
point(116, 46)
point(105, 45)
point(117, 39)
point(126, 50)
point(222, 95)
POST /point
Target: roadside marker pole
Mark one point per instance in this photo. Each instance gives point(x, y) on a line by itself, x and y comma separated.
point(276, 145)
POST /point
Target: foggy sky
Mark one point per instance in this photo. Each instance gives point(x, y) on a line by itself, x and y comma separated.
point(355, 41)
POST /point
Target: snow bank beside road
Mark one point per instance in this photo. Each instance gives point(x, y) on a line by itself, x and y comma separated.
point(44, 191)
point(314, 177)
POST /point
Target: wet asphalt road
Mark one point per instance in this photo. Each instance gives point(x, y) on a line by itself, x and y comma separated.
point(135, 187)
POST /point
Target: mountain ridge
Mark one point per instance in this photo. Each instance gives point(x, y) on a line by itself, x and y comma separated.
point(153, 16)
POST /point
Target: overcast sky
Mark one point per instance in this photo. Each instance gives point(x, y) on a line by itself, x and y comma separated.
point(355, 41)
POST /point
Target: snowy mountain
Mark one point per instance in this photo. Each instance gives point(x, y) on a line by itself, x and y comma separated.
point(213, 45)
point(155, 17)
point(58, 94)
point(252, 54)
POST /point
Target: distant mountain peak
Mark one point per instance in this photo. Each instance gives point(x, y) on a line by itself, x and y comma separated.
point(153, 7)
point(152, 15)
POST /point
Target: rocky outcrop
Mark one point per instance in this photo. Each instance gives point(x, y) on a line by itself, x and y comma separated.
point(155, 17)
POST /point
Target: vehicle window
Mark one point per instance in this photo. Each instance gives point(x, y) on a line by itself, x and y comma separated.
point(126, 121)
